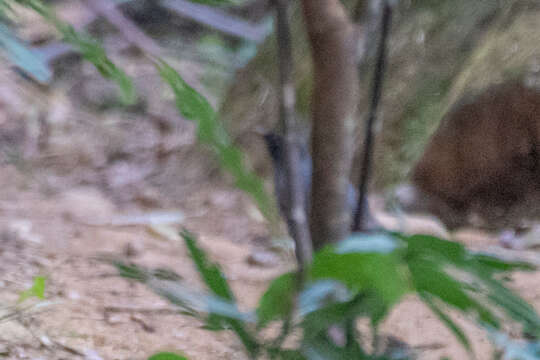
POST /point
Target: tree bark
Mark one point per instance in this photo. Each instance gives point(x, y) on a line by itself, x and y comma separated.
point(335, 93)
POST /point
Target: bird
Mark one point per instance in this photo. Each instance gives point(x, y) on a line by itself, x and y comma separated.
point(275, 144)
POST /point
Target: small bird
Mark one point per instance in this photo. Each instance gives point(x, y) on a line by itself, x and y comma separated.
point(276, 147)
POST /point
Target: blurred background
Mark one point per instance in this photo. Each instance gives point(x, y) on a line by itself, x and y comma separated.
point(73, 156)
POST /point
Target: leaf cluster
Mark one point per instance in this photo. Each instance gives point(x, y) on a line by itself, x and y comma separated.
point(362, 277)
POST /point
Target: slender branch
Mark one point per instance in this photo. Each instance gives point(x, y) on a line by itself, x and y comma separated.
point(126, 27)
point(365, 171)
point(359, 10)
point(297, 218)
point(219, 20)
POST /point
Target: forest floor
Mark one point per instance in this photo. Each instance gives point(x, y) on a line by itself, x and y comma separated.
point(90, 313)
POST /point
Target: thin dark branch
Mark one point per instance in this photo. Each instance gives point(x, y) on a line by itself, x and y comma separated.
point(127, 28)
point(219, 20)
point(359, 10)
point(365, 171)
point(297, 215)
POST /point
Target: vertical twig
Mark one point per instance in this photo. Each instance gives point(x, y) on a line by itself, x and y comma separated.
point(365, 170)
point(297, 211)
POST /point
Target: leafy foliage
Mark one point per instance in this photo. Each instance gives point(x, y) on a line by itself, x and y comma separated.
point(363, 277)
point(88, 47)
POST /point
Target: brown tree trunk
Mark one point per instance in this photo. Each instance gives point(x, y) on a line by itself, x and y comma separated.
point(335, 94)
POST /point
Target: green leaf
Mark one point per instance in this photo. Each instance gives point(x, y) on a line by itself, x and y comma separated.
point(167, 356)
point(446, 320)
point(196, 108)
point(321, 348)
point(428, 278)
point(286, 354)
point(88, 47)
point(373, 266)
point(37, 290)
point(278, 300)
point(320, 320)
point(210, 273)
point(197, 302)
point(494, 264)
point(216, 282)
point(322, 293)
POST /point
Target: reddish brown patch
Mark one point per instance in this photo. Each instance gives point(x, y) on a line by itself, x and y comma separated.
point(485, 152)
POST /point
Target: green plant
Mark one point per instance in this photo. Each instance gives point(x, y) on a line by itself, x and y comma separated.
point(361, 277)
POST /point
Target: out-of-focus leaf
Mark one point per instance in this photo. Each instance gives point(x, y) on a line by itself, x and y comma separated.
point(195, 107)
point(382, 242)
point(450, 324)
point(363, 267)
point(514, 306)
point(428, 278)
point(195, 301)
point(216, 282)
point(464, 280)
point(318, 321)
point(210, 273)
point(167, 356)
point(286, 354)
point(37, 290)
point(321, 348)
point(21, 55)
point(495, 264)
point(88, 47)
point(129, 271)
point(320, 294)
point(278, 300)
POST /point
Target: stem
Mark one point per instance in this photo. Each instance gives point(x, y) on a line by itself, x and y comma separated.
point(296, 216)
point(365, 172)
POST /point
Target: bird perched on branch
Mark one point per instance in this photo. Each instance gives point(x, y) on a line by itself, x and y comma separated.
point(276, 147)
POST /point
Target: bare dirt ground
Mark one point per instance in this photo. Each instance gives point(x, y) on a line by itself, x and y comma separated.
point(92, 314)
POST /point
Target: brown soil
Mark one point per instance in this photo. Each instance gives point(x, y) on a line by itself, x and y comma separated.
point(90, 313)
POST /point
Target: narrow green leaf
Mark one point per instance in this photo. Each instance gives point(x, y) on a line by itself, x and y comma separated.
point(210, 273)
point(428, 278)
point(210, 131)
point(321, 348)
point(216, 282)
point(360, 271)
point(446, 320)
point(494, 264)
point(88, 47)
point(167, 356)
point(322, 293)
point(37, 290)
